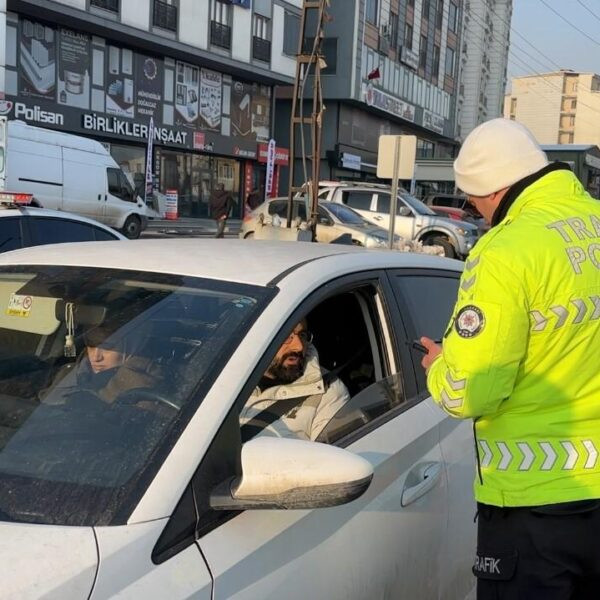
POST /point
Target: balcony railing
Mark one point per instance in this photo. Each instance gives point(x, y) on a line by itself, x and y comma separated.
point(261, 49)
point(112, 5)
point(164, 16)
point(220, 35)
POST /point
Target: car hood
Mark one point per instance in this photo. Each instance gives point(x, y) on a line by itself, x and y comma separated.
point(47, 561)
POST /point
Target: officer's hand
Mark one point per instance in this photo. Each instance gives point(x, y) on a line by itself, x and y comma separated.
point(433, 351)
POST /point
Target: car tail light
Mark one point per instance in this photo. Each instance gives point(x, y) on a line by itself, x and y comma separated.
point(15, 198)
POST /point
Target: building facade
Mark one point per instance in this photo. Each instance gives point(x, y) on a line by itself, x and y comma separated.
point(561, 107)
point(203, 72)
point(483, 62)
point(414, 46)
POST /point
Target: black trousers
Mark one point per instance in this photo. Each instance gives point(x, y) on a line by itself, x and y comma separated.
point(539, 553)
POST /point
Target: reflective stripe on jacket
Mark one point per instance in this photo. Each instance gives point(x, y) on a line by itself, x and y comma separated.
point(521, 355)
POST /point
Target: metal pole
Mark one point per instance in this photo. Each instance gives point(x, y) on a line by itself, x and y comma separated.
point(394, 197)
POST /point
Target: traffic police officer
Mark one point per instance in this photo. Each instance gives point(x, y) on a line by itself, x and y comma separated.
point(521, 357)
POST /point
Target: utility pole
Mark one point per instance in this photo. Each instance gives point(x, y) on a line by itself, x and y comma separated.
point(309, 56)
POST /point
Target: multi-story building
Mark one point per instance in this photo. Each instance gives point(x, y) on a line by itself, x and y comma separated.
point(483, 62)
point(204, 71)
point(414, 45)
point(561, 107)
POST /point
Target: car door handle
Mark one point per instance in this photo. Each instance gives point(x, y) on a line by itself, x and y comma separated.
point(378, 218)
point(420, 480)
point(99, 196)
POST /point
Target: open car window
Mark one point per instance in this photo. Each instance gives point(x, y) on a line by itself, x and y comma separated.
point(99, 371)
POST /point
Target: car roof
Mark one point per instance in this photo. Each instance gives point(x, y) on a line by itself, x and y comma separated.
point(254, 262)
point(30, 211)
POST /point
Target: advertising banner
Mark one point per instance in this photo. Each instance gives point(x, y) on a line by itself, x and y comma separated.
point(149, 77)
point(211, 84)
point(241, 110)
point(187, 89)
point(74, 69)
point(171, 205)
point(37, 61)
point(148, 178)
point(261, 112)
point(119, 82)
point(270, 169)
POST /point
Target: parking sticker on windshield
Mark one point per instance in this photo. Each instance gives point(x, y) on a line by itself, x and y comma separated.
point(19, 306)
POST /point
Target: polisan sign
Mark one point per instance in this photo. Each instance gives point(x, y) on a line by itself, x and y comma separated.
point(36, 114)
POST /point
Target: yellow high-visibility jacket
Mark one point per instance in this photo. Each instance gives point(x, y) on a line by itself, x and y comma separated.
point(521, 355)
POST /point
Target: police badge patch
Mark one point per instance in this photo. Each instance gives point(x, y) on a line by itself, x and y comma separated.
point(469, 321)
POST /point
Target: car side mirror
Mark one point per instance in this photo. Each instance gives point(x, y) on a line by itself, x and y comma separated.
point(293, 474)
point(404, 211)
point(325, 221)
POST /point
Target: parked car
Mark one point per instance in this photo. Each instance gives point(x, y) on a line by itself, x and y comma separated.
point(334, 221)
point(29, 226)
point(72, 173)
point(456, 206)
point(414, 220)
point(153, 494)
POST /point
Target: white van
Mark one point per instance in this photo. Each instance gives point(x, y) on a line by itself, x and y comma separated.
point(72, 173)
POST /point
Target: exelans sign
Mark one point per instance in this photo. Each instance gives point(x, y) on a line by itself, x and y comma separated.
point(113, 125)
point(36, 114)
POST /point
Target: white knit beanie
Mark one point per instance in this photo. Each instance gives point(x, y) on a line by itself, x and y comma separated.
point(495, 155)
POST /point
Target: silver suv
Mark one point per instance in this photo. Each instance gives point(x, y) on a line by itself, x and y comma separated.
point(414, 220)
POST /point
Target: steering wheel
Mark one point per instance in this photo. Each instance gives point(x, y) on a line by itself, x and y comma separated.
point(136, 395)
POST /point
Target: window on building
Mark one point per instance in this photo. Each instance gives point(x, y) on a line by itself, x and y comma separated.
point(328, 50)
point(423, 52)
point(393, 30)
point(112, 5)
point(453, 17)
point(220, 25)
point(408, 36)
point(426, 9)
point(436, 61)
point(450, 61)
point(291, 33)
point(261, 39)
point(425, 149)
point(372, 11)
point(439, 14)
point(165, 14)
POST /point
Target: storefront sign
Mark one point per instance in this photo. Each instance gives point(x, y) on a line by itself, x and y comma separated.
point(282, 155)
point(36, 114)
point(270, 168)
point(409, 58)
point(351, 161)
point(165, 135)
point(388, 103)
point(237, 151)
point(433, 121)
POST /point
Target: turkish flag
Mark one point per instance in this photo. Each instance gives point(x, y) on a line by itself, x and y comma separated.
point(374, 74)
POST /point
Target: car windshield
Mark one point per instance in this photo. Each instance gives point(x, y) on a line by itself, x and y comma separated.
point(101, 369)
point(416, 205)
point(344, 214)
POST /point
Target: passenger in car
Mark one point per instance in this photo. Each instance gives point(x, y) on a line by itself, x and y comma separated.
point(108, 368)
point(296, 397)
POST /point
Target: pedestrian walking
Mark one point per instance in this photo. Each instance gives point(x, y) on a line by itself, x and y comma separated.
point(221, 204)
point(520, 358)
point(256, 197)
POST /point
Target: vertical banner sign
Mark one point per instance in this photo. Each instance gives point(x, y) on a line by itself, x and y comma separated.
point(270, 168)
point(148, 187)
point(171, 205)
point(248, 181)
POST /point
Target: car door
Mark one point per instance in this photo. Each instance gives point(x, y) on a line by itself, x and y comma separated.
point(382, 545)
point(427, 299)
point(121, 199)
point(404, 225)
point(50, 230)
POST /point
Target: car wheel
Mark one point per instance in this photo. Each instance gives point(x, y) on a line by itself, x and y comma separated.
point(443, 242)
point(249, 235)
point(133, 227)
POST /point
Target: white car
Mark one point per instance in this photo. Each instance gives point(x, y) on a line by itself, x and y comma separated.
point(29, 226)
point(151, 493)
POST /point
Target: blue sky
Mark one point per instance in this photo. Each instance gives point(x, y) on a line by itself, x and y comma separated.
point(561, 44)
